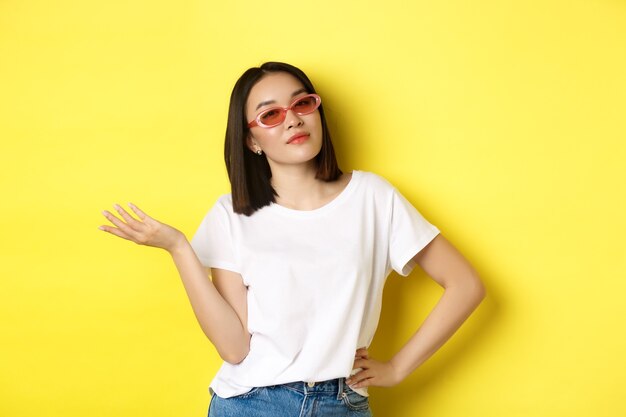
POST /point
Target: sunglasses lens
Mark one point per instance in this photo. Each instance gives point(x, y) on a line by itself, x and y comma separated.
point(305, 105)
point(272, 117)
point(275, 116)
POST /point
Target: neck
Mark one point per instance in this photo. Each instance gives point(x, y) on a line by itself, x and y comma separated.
point(297, 186)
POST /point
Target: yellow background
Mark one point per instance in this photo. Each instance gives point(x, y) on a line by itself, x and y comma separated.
point(503, 122)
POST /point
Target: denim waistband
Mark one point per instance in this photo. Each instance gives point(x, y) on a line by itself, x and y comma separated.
point(331, 386)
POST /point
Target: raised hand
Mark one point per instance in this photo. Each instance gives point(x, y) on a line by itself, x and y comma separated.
point(143, 231)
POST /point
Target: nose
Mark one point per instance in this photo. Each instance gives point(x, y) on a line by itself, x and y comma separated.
point(292, 120)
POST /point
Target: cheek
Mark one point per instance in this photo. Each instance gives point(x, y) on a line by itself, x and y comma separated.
point(319, 131)
point(318, 121)
point(267, 137)
point(313, 122)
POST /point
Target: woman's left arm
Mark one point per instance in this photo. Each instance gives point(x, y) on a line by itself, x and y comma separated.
point(463, 291)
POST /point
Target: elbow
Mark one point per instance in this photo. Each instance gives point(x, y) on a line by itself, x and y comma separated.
point(233, 347)
point(469, 284)
point(233, 359)
point(470, 288)
point(477, 290)
point(234, 356)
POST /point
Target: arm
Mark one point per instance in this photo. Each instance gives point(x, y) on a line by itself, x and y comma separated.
point(463, 292)
point(219, 306)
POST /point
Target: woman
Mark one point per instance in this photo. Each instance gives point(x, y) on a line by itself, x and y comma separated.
point(298, 254)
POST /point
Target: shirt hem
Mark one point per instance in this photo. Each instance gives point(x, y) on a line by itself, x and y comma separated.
point(406, 259)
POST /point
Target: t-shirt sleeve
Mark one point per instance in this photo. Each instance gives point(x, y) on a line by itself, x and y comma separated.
point(213, 241)
point(410, 233)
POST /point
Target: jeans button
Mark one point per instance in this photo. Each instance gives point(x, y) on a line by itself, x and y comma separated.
point(311, 384)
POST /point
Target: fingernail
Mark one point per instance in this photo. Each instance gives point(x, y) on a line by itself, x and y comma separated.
point(105, 212)
point(117, 206)
point(101, 227)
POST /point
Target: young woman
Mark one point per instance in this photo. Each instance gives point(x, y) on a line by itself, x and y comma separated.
point(298, 255)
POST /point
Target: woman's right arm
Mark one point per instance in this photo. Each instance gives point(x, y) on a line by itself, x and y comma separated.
point(219, 306)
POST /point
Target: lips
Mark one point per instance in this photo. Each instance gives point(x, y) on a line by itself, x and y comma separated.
point(298, 138)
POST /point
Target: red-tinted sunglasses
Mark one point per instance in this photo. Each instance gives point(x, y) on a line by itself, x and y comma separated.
point(276, 115)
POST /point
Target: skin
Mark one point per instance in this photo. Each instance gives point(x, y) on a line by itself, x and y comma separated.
point(293, 177)
point(293, 166)
point(209, 299)
point(280, 89)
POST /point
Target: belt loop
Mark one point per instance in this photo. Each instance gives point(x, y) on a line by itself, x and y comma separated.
point(340, 386)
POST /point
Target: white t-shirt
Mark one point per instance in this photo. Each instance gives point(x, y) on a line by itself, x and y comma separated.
point(315, 278)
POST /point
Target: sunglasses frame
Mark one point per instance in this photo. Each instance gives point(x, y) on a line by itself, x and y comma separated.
point(283, 111)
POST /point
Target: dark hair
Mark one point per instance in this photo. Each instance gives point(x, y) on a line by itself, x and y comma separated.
point(250, 174)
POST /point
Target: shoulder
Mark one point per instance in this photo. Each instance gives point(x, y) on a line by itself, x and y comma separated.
point(373, 181)
point(225, 202)
point(221, 209)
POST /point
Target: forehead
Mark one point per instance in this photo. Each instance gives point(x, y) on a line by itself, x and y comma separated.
point(277, 87)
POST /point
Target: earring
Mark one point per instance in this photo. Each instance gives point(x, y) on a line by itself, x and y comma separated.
point(259, 152)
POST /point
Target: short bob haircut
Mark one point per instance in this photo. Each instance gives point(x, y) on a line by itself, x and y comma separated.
point(250, 174)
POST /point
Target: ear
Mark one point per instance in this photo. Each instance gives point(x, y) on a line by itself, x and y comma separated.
point(252, 145)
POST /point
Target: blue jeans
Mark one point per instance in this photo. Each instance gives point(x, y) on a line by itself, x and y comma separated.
point(332, 398)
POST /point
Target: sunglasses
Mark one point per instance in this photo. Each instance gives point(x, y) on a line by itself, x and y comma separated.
point(276, 115)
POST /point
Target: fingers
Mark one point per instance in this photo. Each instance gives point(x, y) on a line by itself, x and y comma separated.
point(143, 230)
point(123, 230)
point(361, 353)
point(116, 222)
point(373, 373)
point(110, 217)
point(115, 231)
point(130, 220)
point(361, 363)
point(360, 379)
point(139, 213)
